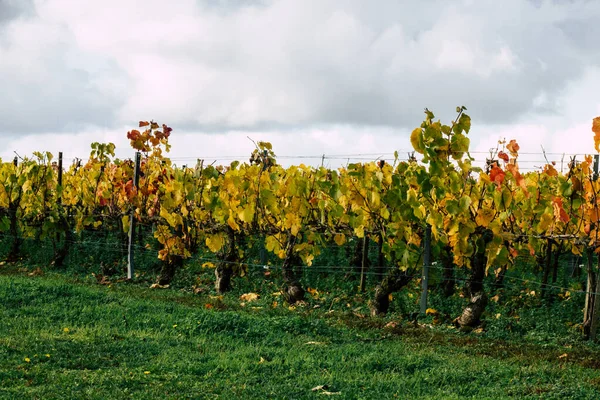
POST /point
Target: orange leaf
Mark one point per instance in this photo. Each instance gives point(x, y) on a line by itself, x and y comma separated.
point(531, 249)
point(596, 130)
point(144, 123)
point(550, 170)
point(513, 147)
point(514, 170)
point(559, 211)
point(497, 175)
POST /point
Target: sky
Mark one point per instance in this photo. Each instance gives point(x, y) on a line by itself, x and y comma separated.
point(348, 79)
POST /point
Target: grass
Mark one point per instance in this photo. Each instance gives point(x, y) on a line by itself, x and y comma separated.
point(65, 338)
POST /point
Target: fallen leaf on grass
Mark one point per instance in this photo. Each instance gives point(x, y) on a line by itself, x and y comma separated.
point(565, 355)
point(322, 389)
point(315, 343)
point(248, 297)
point(157, 286)
point(36, 272)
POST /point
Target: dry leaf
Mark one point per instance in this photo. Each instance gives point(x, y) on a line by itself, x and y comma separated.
point(36, 272)
point(248, 297)
point(157, 286)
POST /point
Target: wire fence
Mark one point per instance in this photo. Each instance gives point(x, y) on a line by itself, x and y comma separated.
point(110, 250)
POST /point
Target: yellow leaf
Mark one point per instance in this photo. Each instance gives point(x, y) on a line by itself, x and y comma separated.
point(565, 355)
point(246, 215)
point(248, 297)
point(215, 242)
point(359, 231)
point(66, 330)
point(125, 221)
point(27, 359)
point(232, 224)
point(484, 216)
point(431, 311)
point(417, 141)
point(385, 213)
point(390, 297)
point(339, 239)
point(485, 177)
point(147, 372)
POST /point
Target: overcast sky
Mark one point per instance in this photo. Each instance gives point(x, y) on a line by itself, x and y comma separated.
point(334, 77)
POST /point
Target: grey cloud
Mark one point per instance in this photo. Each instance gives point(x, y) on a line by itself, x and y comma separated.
point(231, 64)
point(359, 77)
point(12, 9)
point(49, 85)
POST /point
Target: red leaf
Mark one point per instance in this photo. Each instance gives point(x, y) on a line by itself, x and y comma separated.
point(503, 156)
point(497, 175)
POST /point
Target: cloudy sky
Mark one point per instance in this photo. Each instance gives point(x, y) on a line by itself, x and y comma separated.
point(344, 78)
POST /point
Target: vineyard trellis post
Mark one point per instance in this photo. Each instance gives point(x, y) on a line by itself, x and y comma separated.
point(130, 258)
point(60, 171)
point(592, 297)
point(59, 193)
point(426, 263)
point(364, 261)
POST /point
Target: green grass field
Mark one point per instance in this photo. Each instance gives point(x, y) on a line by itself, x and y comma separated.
point(63, 339)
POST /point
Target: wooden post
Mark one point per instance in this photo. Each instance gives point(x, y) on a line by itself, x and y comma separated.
point(130, 260)
point(595, 300)
point(60, 168)
point(426, 264)
point(592, 301)
point(363, 265)
point(59, 192)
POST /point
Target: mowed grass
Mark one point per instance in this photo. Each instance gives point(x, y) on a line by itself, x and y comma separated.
point(61, 339)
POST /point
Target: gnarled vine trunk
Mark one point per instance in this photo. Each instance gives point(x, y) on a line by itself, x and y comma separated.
point(224, 270)
point(395, 281)
point(471, 315)
point(292, 271)
point(169, 268)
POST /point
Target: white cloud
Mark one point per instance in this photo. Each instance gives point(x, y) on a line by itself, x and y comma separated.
point(314, 76)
